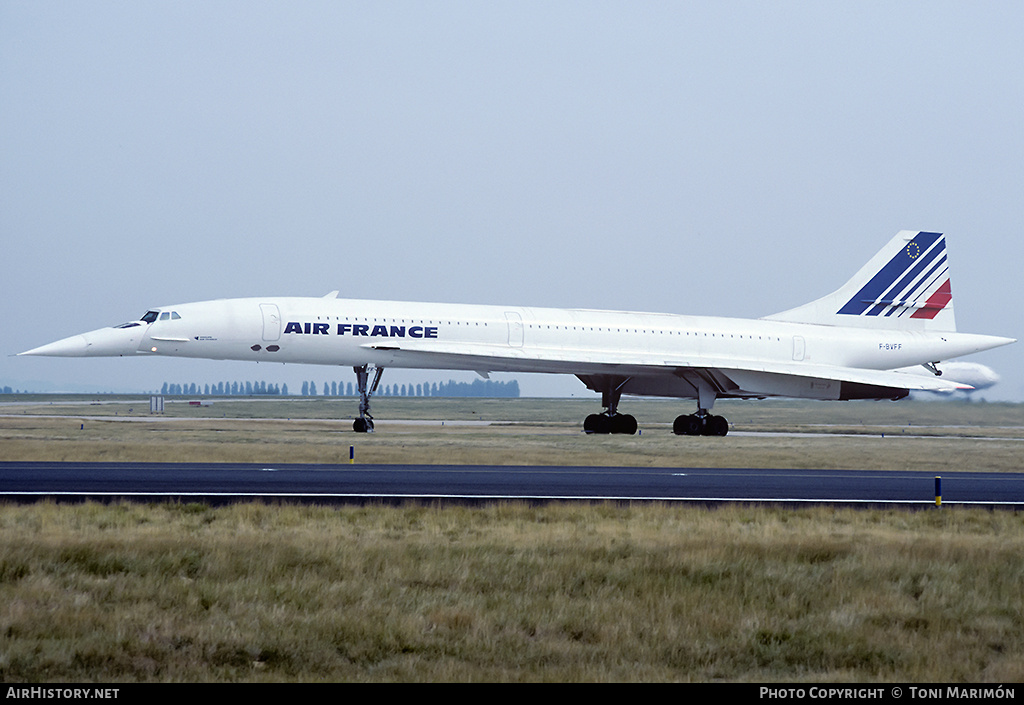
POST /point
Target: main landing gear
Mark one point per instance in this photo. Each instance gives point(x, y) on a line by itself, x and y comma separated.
point(611, 421)
point(364, 424)
point(700, 424)
point(604, 423)
point(703, 423)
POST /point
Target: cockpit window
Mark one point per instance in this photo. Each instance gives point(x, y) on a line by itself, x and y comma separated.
point(152, 316)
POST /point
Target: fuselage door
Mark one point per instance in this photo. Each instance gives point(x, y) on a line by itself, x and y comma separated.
point(271, 322)
point(798, 347)
point(515, 329)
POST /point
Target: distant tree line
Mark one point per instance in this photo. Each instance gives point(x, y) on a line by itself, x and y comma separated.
point(225, 389)
point(451, 388)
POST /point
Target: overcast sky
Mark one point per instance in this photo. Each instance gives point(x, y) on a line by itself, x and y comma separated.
point(719, 158)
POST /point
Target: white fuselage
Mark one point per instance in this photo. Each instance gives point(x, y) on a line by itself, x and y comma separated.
point(347, 332)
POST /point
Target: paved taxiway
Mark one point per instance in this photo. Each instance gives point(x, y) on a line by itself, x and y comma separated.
point(223, 482)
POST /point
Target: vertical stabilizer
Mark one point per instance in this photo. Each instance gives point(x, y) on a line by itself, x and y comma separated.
point(903, 287)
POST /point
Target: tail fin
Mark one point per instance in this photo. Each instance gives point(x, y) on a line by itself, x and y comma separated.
point(903, 287)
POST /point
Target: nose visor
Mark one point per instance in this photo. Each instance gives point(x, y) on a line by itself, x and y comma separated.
point(104, 342)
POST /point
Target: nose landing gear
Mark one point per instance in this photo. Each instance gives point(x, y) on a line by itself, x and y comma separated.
point(364, 424)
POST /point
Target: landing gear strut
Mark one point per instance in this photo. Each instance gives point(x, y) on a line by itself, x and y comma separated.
point(364, 424)
point(703, 423)
point(611, 421)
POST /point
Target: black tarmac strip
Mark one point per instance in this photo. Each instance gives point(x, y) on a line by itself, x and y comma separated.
point(220, 483)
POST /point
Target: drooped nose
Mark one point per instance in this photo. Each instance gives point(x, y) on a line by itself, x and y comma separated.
point(104, 342)
point(75, 346)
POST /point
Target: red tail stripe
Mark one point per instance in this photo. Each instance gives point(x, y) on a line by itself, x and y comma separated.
point(935, 303)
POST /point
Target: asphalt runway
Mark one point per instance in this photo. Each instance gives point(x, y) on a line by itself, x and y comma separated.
point(219, 483)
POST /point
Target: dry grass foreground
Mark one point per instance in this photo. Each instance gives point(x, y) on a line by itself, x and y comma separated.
point(930, 436)
point(508, 592)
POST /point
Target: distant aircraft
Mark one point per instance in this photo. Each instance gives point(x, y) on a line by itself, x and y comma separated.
point(896, 312)
point(971, 373)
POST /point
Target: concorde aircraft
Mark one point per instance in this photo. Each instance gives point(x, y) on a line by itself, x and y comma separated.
point(896, 312)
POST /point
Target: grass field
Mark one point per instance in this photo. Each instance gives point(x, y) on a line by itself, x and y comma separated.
point(931, 436)
point(508, 591)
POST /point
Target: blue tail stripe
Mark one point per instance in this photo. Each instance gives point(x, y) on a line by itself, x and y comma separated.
point(938, 270)
point(925, 261)
point(928, 280)
point(921, 263)
point(884, 279)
